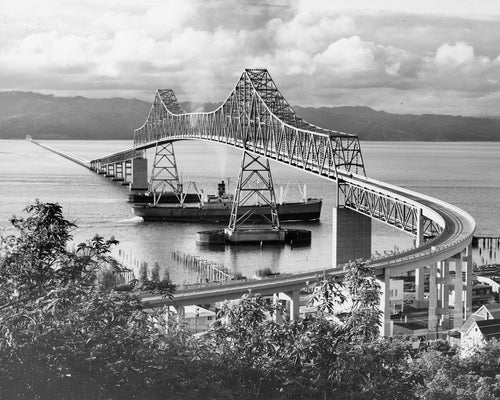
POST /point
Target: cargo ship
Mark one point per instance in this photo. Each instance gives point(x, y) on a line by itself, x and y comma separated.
point(217, 209)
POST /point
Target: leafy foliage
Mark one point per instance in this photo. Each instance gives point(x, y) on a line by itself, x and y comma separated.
point(62, 336)
point(58, 331)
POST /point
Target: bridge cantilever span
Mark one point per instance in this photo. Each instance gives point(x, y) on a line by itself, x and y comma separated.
point(256, 118)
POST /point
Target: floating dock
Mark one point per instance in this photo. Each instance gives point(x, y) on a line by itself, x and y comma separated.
point(254, 235)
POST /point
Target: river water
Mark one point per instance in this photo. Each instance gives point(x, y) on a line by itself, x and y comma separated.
point(465, 174)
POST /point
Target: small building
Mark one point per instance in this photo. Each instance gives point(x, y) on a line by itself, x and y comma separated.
point(479, 332)
point(396, 295)
point(481, 326)
point(492, 280)
point(482, 293)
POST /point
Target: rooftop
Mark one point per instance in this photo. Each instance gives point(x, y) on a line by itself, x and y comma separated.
point(490, 328)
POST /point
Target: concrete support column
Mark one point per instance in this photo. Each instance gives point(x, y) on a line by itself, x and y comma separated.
point(110, 170)
point(181, 313)
point(439, 285)
point(468, 281)
point(419, 284)
point(127, 173)
point(433, 294)
point(294, 301)
point(139, 174)
point(385, 307)
point(167, 318)
point(119, 170)
point(458, 316)
point(419, 273)
point(351, 236)
point(278, 318)
point(445, 293)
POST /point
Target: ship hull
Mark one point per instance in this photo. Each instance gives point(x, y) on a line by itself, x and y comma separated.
point(305, 211)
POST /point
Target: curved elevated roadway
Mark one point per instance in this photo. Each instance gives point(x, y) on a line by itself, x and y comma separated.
point(256, 118)
point(458, 225)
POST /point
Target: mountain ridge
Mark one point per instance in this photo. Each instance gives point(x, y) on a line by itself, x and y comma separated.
point(51, 117)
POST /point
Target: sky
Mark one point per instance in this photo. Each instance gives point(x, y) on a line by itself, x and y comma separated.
point(426, 56)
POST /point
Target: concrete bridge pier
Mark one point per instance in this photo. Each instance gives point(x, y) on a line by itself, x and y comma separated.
point(439, 292)
point(432, 324)
point(420, 272)
point(467, 256)
point(139, 174)
point(110, 171)
point(127, 171)
point(462, 305)
point(386, 328)
point(181, 313)
point(118, 172)
point(419, 285)
point(278, 318)
point(293, 300)
point(351, 237)
point(444, 293)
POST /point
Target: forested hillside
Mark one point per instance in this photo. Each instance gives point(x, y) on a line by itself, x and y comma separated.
point(51, 117)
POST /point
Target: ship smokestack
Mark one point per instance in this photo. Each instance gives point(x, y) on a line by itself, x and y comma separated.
point(221, 189)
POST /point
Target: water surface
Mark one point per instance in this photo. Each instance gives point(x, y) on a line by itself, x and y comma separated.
point(465, 174)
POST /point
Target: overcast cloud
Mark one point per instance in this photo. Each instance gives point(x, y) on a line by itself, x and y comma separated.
point(399, 56)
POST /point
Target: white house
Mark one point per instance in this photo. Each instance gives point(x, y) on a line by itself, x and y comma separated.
point(481, 326)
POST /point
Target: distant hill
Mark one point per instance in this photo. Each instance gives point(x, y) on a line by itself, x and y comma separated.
point(369, 124)
point(51, 117)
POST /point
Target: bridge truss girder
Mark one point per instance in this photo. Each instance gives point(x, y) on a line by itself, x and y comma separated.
point(257, 118)
point(388, 209)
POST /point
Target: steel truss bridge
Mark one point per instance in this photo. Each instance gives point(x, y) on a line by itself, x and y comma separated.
point(256, 118)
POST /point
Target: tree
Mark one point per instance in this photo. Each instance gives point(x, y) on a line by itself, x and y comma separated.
point(307, 358)
point(450, 375)
point(60, 336)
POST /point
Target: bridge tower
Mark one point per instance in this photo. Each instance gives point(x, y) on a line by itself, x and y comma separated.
point(255, 182)
point(164, 175)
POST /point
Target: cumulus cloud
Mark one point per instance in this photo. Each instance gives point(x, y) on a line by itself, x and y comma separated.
point(455, 55)
point(455, 67)
point(314, 50)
